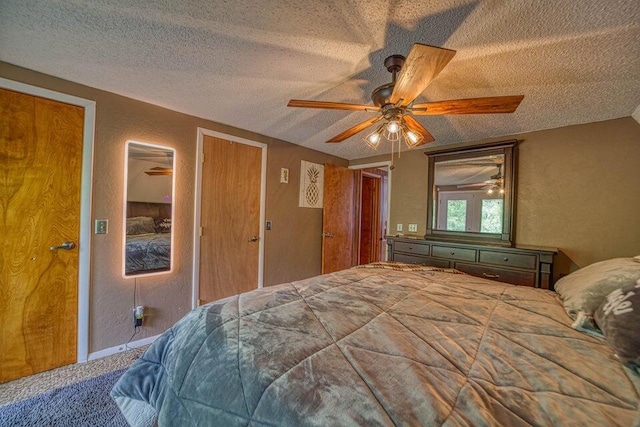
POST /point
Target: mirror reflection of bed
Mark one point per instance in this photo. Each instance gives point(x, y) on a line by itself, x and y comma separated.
point(148, 210)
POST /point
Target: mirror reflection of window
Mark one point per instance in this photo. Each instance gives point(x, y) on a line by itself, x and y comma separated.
point(492, 210)
point(148, 210)
point(456, 215)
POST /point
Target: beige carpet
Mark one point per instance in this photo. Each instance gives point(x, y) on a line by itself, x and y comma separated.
point(23, 388)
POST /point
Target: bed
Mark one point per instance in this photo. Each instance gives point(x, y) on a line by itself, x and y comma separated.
point(147, 245)
point(380, 345)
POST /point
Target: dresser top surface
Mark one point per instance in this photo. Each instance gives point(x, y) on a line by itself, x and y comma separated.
point(524, 248)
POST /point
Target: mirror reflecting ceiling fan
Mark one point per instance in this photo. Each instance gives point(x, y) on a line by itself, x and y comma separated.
point(394, 101)
point(495, 182)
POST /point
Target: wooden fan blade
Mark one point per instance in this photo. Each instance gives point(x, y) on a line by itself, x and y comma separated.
point(331, 105)
point(475, 184)
point(413, 125)
point(489, 105)
point(357, 128)
point(422, 65)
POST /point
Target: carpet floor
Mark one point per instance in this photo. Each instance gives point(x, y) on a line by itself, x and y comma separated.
point(83, 404)
point(24, 388)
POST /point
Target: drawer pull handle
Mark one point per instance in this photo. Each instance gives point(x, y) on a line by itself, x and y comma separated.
point(505, 259)
point(491, 276)
point(453, 253)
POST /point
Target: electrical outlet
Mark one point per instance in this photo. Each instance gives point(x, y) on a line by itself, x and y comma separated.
point(398, 227)
point(138, 315)
point(102, 226)
point(413, 228)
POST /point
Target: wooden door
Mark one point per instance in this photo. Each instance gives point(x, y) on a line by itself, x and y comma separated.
point(40, 177)
point(369, 219)
point(339, 225)
point(384, 220)
point(230, 218)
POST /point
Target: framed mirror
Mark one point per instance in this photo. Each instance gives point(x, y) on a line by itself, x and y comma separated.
point(471, 193)
point(148, 209)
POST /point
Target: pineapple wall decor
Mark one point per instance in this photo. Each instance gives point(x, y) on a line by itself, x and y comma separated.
point(311, 185)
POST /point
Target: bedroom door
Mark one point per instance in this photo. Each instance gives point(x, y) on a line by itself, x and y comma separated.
point(370, 219)
point(339, 214)
point(230, 218)
point(41, 145)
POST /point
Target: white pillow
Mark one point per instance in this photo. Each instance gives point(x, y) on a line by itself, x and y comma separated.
point(583, 291)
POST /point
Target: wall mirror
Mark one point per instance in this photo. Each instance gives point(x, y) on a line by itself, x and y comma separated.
point(148, 209)
point(471, 193)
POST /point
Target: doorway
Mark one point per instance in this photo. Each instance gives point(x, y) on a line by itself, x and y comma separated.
point(229, 223)
point(373, 218)
point(45, 202)
point(373, 223)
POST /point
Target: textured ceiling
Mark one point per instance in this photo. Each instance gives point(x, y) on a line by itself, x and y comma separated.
point(239, 62)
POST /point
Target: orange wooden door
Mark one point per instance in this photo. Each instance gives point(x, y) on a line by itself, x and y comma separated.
point(339, 213)
point(230, 218)
point(370, 240)
point(40, 178)
point(383, 218)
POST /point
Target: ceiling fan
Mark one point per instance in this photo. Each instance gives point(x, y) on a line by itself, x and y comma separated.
point(159, 171)
point(494, 182)
point(394, 101)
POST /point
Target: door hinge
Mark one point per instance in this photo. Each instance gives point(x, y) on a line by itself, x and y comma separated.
point(200, 231)
point(202, 158)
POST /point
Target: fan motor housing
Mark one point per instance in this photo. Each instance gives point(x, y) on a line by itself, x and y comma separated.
point(382, 94)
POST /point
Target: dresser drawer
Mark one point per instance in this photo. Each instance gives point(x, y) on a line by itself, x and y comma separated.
point(454, 253)
point(509, 260)
point(409, 259)
point(514, 277)
point(428, 261)
point(436, 262)
point(414, 248)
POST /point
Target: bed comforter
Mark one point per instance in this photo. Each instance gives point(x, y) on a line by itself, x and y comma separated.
point(380, 347)
point(148, 252)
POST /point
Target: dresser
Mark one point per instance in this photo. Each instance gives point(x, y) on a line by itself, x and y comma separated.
point(519, 265)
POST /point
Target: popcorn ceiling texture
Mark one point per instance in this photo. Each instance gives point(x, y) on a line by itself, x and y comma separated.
point(238, 63)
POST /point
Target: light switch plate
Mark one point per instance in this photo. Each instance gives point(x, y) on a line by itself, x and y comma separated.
point(413, 228)
point(102, 226)
point(398, 227)
point(284, 175)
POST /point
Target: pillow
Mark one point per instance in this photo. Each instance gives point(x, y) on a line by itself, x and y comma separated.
point(163, 225)
point(583, 291)
point(618, 318)
point(140, 225)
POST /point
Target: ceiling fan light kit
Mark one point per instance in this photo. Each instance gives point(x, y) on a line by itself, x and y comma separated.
point(393, 131)
point(394, 101)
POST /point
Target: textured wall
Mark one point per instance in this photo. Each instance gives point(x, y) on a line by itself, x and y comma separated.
point(578, 190)
point(292, 248)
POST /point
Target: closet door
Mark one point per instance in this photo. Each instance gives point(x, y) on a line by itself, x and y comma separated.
point(230, 218)
point(40, 178)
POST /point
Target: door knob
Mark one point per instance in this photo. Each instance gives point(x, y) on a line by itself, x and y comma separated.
point(327, 235)
point(67, 246)
point(254, 239)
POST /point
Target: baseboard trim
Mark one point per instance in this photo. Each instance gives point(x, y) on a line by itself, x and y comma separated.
point(120, 348)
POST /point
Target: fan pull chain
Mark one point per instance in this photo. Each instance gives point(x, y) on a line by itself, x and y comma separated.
point(392, 166)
